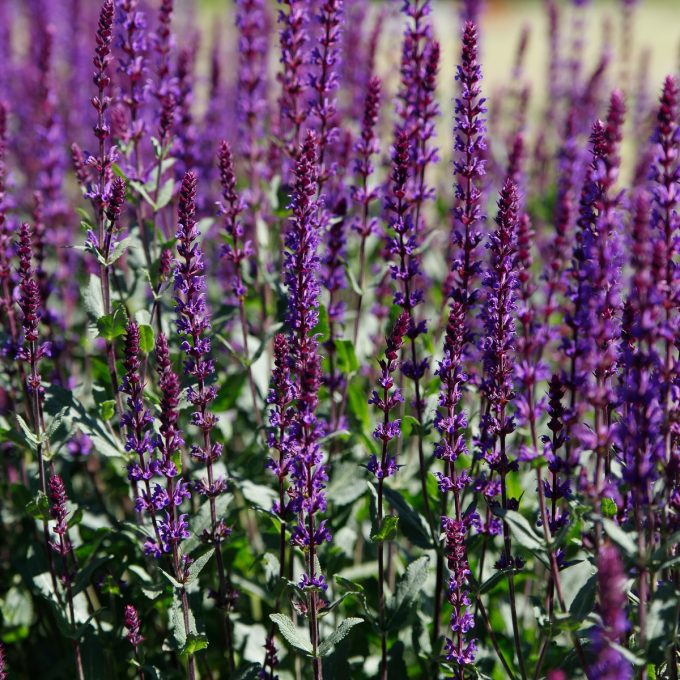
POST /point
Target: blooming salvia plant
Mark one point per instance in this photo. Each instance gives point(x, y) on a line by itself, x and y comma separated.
point(278, 400)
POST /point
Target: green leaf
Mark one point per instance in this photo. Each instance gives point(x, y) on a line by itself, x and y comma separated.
point(16, 608)
point(146, 339)
point(119, 249)
point(194, 643)
point(661, 621)
point(411, 523)
point(522, 532)
point(584, 600)
point(407, 592)
point(111, 326)
point(354, 284)
point(107, 409)
point(358, 406)
point(496, 578)
point(347, 358)
point(141, 190)
point(94, 303)
point(165, 194)
point(625, 540)
point(295, 636)
point(608, 507)
point(198, 564)
point(322, 329)
point(337, 635)
point(29, 435)
point(387, 531)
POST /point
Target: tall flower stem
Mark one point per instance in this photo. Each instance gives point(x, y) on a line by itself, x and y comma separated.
point(386, 466)
point(193, 321)
point(31, 352)
point(501, 280)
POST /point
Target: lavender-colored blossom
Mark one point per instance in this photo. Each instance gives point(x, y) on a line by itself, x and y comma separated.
point(596, 262)
point(610, 664)
point(308, 474)
point(237, 249)
point(293, 40)
point(366, 146)
point(451, 423)
point(472, 10)
point(251, 105)
point(80, 445)
point(501, 284)
point(3, 663)
point(31, 351)
point(665, 178)
point(131, 622)
point(469, 169)
point(163, 43)
point(98, 191)
point(281, 398)
point(458, 648)
point(562, 463)
point(387, 400)
point(185, 130)
point(59, 513)
point(637, 431)
point(323, 81)
point(134, 45)
point(193, 324)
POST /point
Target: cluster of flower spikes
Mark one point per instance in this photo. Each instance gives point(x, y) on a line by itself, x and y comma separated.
point(596, 263)
point(142, 444)
point(501, 283)
point(388, 400)
point(301, 265)
point(639, 385)
point(451, 424)
point(193, 325)
point(665, 189)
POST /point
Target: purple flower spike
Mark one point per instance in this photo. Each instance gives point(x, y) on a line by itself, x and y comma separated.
point(308, 474)
point(60, 514)
point(501, 282)
point(469, 169)
point(32, 351)
point(131, 622)
point(610, 664)
point(323, 80)
point(133, 44)
point(252, 100)
point(293, 39)
point(387, 399)
point(665, 178)
point(236, 250)
point(458, 648)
